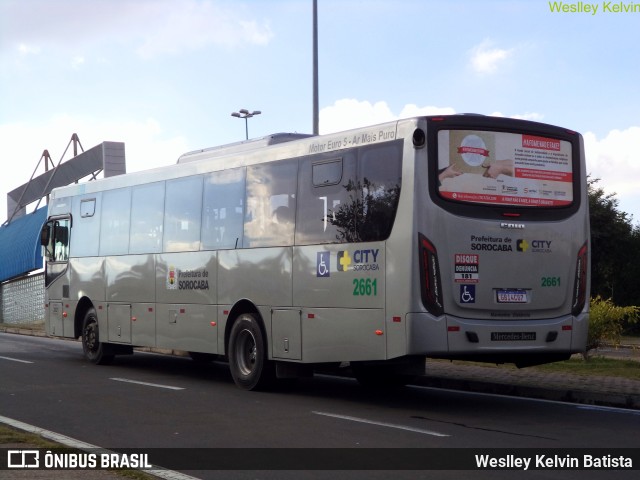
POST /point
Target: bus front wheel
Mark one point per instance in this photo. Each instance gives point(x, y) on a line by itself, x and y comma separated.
point(250, 368)
point(94, 350)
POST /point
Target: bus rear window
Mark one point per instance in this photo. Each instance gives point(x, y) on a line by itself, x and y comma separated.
point(505, 169)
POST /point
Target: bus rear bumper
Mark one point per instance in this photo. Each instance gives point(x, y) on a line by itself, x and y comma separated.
point(523, 342)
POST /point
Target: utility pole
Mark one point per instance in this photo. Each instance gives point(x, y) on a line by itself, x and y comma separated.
point(316, 110)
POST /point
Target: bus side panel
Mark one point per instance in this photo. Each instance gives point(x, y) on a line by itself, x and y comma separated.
point(189, 277)
point(343, 288)
point(118, 323)
point(343, 334)
point(340, 275)
point(185, 286)
point(54, 323)
point(57, 299)
point(580, 331)
point(426, 334)
point(87, 279)
point(143, 324)
point(188, 327)
point(128, 277)
point(261, 275)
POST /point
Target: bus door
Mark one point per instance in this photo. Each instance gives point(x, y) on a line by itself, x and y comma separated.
point(54, 238)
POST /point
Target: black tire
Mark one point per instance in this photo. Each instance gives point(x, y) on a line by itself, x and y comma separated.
point(94, 350)
point(250, 368)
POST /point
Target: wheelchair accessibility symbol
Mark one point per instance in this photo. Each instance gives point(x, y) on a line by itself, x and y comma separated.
point(467, 294)
point(322, 264)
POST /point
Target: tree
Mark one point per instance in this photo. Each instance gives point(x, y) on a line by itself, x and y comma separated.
point(615, 248)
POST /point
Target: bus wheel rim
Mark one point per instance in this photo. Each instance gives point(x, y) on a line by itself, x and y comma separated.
point(247, 352)
point(90, 337)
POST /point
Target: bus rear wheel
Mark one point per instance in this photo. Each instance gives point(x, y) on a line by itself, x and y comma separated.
point(250, 368)
point(94, 350)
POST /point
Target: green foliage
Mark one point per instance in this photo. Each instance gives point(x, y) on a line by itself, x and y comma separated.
point(615, 248)
point(606, 321)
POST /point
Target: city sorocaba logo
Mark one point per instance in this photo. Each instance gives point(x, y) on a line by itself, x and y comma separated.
point(522, 245)
point(344, 260)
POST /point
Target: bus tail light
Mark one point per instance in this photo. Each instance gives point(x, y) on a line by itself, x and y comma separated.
point(580, 285)
point(430, 276)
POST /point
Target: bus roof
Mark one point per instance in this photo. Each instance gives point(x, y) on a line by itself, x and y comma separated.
point(239, 147)
point(279, 147)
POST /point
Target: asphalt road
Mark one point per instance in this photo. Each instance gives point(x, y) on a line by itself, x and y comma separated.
point(156, 401)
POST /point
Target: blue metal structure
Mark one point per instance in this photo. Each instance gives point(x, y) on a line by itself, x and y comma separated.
point(20, 250)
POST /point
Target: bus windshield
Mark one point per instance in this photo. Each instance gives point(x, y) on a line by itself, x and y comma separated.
point(506, 169)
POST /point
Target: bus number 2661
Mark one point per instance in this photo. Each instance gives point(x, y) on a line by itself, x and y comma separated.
point(365, 287)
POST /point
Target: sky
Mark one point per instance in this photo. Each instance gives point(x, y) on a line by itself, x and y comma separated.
point(164, 76)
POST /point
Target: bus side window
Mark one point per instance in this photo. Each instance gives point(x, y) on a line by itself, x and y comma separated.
point(271, 204)
point(86, 224)
point(147, 215)
point(223, 209)
point(61, 248)
point(183, 214)
point(378, 190)
point(115, 222)
point(54, 237)
point(323, 193)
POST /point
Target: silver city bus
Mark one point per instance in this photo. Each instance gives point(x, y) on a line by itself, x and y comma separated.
point(458, 237)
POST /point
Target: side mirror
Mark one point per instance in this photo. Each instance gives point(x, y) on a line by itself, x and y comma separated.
point(45, 235)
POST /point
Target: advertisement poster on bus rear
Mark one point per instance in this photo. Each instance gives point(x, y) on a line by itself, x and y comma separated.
point(504, 168)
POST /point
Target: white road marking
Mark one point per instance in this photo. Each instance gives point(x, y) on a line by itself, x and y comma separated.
point(15, 360)
point(382, 424)
point(73, 443)
point(157, 385)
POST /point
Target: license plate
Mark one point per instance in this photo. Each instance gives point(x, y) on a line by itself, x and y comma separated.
point(512, 296)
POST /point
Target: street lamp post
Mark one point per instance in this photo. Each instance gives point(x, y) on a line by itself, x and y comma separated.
point(244, 113)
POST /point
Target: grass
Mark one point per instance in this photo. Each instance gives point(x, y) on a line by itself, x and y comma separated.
point(10, 435)
point(18, 439)
point(595, 366)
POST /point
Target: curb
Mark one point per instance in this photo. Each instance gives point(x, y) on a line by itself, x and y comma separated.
point(618, 400)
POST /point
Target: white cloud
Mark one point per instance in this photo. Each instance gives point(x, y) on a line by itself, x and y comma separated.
point(485, 58)
point(25, 49)
point(350, 113)
point(76, 62)
point(532, 116)
point(615, 159)
point(146, 145)
point(412, 110)
point(190, 25)
point(154, 27)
